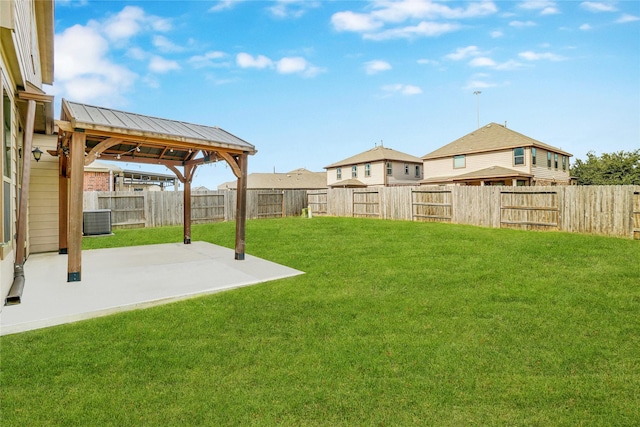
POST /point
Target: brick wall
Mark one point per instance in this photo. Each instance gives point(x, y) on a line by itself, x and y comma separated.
point(96, 181)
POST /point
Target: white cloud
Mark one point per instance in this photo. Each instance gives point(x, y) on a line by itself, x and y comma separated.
point(482, 61)
point(522, 24)
point(627, 18)
point(496, 34)
point(224, 5)
point(356, 22)
point(478, 84)
point(594, 6)
point(130, 21)
point(425, 29)
point(585, 27)
point(376, 66)
point(244, 60)
point(427, 62)
point(83, 72)
point(291, 65)
point(399, 16)
point(534, 56)
point(161, 65)
point(463, 53)
point(401, 89)
point(509, 65)
point(286, 65)
point(546, 7)
point(165, 45)
point(297, 65)
point(209, 59)
point(291, 8)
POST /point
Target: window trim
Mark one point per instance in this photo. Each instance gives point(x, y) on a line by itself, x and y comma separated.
point(516, 157)
point(549, 159)
point(354, 171)
point(464, 161)
point(555, 161)
point(338, 173)
point(389, 168)
point(417, 175)
point(367, 169)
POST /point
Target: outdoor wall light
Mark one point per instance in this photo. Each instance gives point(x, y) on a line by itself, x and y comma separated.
point(37, 154)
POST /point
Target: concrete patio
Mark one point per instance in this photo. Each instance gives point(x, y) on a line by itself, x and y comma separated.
point(121, 279)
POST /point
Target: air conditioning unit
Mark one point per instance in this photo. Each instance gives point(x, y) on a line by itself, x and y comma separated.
point(95, 223)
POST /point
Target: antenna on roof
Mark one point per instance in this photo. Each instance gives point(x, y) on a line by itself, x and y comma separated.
point(505, 123)
point(381, 144)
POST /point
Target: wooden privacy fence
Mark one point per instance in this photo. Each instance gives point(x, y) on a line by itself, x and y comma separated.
point(163, 208)
point(607, 210)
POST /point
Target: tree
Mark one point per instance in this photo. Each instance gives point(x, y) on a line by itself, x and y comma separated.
point(621, 168)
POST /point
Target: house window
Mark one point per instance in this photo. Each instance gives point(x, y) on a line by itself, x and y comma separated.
point(518, 156)
point(548, 159)
point(354, 171)
point(406, 169)
point(564, 163)
point(417, 171)
point(555, 160)
point(339, 173)
point(533, 156)
point(459, 161)
point(389, 168)
point(367, 169)
point(6, 169)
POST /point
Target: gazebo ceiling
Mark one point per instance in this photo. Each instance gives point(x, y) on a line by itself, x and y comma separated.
point(121, 136)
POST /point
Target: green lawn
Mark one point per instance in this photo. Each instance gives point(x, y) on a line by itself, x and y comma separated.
point(394, 324)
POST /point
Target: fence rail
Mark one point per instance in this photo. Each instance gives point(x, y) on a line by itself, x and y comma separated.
point(163, 208)
point(606, 210)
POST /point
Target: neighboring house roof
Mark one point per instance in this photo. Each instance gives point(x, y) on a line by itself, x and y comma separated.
point(348, 183)
point(101, 167)
point(296, 179)
point(376, 154)
point(491, 137)
point(199, 189)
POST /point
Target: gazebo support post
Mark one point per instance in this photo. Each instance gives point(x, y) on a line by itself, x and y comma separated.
point(189, 171)
point(74, 262)
point(241, 205)
point(188, 175)
point(63, 205)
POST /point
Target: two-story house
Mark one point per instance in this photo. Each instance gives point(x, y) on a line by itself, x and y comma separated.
point(378, 167)
point(27, 172)
point(496, 155)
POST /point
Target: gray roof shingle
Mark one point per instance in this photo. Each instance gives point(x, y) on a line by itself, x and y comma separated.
point(491, 137)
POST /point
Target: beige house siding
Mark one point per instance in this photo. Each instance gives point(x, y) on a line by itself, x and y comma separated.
point(43, 199)
point(547, 175)
point(474, 162)
point(398, 177)
point(378, 177)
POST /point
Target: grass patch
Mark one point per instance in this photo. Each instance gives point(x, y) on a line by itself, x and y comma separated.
point(395, 323)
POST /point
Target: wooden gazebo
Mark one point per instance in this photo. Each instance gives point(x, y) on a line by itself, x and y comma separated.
point(86, 133)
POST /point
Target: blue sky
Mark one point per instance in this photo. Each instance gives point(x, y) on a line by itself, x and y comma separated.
point(312, 82)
